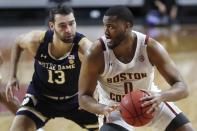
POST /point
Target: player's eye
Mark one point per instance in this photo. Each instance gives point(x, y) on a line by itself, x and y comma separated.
point(71, 23)
point(109, 27)
point(62, 26)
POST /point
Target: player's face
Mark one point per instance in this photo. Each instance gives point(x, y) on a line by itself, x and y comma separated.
point(65, 27)
point(115, 31)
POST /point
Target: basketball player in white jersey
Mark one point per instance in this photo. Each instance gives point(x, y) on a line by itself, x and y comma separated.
point(122, 61)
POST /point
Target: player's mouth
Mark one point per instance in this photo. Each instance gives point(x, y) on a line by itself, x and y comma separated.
point(107, 36)
point(108, 40)
point(68, 36)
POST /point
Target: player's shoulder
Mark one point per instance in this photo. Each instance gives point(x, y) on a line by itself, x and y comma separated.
point(95, 56)
point(85, 41)
point(155, 50)
point(37, 35)
point(95, 51)
point(32, 36)
point(84, 44)
point(153, 44)
point(97, 47)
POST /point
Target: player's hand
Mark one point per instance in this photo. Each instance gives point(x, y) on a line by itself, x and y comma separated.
point(153, 100)
point(13, 85)
point(162, 9)
point(107, 110)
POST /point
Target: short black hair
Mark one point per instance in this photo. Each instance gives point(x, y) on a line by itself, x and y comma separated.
point(122, 13)
point(59, 9)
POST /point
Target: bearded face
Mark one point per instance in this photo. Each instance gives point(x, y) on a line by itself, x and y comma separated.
point(115, 31)
point(64, 27)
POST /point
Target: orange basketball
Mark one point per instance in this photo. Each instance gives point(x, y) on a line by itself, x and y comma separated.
point(131, 110)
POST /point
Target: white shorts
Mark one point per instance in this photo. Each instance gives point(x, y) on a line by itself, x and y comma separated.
point(166, 113)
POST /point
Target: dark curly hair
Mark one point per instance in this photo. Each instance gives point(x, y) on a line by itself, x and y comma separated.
point(122, 13)
point(59, 9)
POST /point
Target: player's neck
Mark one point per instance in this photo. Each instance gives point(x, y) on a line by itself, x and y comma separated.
point(59, 48)
point(59, 43)
point(58, 52)
point(126, 50)
point(126, 43)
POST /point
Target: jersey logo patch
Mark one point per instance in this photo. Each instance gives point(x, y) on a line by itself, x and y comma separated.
point(71, 57)
point(71, 62)
point(141, 58)
point(110, 63)
point(43, 56)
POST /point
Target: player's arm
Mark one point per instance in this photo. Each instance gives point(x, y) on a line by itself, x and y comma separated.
point(161, 6)
point(160, 58)
point(90, 71)
point(1, 63)
point(92, 66)
point(84, 46)
point(29, 42)
point(1, 59)
point(173, 11)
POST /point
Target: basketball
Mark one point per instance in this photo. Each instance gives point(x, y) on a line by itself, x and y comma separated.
point(131, 110)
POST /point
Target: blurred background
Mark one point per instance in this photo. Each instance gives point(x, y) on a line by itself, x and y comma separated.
point(175, 28)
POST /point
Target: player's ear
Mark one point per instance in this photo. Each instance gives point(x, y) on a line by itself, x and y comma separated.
point(129, 26)
point(51, 25)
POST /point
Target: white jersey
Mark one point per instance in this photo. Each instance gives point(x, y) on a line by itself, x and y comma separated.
point(119, 78)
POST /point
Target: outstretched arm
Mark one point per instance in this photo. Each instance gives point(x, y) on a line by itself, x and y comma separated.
point(29, 42)
point(11, 105)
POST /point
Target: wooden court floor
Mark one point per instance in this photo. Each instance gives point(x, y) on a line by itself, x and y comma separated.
point(181, 43)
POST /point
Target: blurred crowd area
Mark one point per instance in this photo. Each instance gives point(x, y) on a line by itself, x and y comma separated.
point(173, 24)
point(90, 12)
point(169, 21)
point(176, 31)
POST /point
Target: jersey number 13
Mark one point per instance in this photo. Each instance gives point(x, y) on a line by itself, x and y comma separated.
point(60, 79)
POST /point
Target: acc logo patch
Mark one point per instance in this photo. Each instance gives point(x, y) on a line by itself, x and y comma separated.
point(71, 62)
point(141, 58)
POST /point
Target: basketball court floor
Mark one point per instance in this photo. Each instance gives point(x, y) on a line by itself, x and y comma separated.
point(181, 42)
